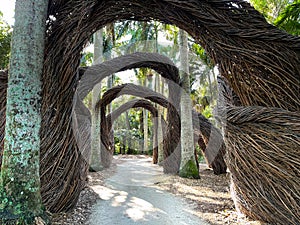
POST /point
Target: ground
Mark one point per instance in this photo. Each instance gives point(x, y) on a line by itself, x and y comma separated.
point(209, 197)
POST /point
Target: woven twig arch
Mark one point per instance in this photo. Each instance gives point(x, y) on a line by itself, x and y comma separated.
point(260, 62)
point(90, 76)
point(138, 103)
point(207, 136)
point(172, 156)
point(93, 75)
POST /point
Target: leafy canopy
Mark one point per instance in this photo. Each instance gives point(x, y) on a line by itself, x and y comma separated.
point(5, 38)
point(285, 14)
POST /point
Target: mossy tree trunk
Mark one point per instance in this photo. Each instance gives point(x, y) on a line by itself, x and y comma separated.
point(188, 166)
point(95, 160)
point(20, 198)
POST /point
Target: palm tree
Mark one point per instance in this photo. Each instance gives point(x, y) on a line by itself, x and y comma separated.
point(20, 198)
point(159, 89)
point(188, 165)
point(95, 159)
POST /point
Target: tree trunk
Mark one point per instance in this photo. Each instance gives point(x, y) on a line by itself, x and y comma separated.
point(159, 125)
point(188, 167)
point(210, 86)
point(145, 148)
point(145, 113)
point(110, 80)
point(20, 196)
point(155, 125)
point(141, 143)
point(95, 160)
point(128, 138)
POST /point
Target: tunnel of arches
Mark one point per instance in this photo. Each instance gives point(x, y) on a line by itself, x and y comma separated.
point(261, 65)
point(208, 137)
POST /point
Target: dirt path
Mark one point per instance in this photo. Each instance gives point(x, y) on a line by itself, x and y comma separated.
point(130, 197)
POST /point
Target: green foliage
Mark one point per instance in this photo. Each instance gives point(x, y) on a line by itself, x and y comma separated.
point(284, 14)
point(5, 39)
point(189, 170)
point(289, 19)
point(199, 154)
point(87, 101)
point(199, 51)
point(270, 9)
point(86, 59)
point(208, 112)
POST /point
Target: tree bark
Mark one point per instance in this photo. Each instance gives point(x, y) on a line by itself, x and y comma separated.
point(159, 126)
point(188, 167)
point(95, 159)
point(145, 113)
point(110, 33)
point(128, 138)
point(20, 198)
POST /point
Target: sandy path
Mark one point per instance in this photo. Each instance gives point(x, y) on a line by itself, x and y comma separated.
point(130, 197)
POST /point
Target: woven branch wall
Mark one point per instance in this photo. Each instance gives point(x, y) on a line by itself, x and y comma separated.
point(260, 62)
point(264, 162)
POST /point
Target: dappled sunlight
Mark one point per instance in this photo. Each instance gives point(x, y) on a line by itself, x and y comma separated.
point(120, 199)
point(104, 192)
point(134, 208)
point(139, 209)
point(108, 194)
point(131, 196)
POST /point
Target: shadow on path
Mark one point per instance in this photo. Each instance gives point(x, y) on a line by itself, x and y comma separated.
point(130, 197)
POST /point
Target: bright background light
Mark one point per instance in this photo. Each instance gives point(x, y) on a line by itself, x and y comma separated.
point(7, 7)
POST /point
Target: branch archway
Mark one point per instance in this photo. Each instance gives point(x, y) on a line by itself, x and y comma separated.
point(139, 103)
point(93, 75)
point(171, 155)
point(90, 76)
point(260, 62)
point(208, 137)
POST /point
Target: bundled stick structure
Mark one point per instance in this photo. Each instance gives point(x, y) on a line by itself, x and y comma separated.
point(260, 62)
point(263, 158)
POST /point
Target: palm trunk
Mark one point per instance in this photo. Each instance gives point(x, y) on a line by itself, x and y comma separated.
point(141, 143)
point(210, 86)
point(159, 125)
point(128, 138)
point(95, 160)
point(145, 113)
point(188, 167)
point(20, 196)
point(111, 42)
